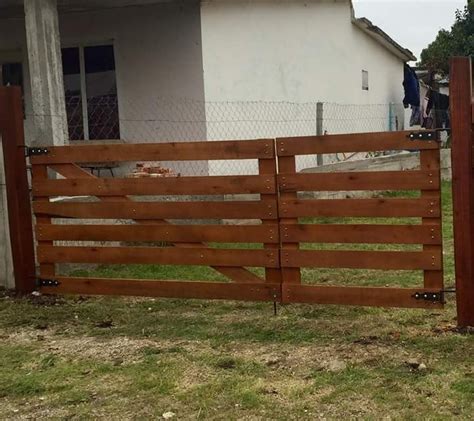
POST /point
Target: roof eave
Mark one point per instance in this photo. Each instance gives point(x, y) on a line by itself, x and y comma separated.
point(383, 38)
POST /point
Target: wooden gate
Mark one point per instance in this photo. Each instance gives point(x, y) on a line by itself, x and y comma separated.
point(261, 260)
point(426, 207)
point(147, 221)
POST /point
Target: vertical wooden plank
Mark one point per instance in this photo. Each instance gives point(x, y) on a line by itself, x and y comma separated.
point(287, 165)
point(463, 199)
point(268, 167)
point(18, 195)
point(47, 270)
point(430, 161)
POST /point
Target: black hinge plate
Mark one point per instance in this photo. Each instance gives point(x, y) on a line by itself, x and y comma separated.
point(36, 151)
point(47, 283)
point(435, 297)
point(422, 135)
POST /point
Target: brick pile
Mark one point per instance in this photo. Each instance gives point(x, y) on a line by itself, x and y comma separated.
point(154, 171)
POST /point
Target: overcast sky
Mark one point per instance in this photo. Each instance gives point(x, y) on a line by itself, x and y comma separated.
point(412, 23)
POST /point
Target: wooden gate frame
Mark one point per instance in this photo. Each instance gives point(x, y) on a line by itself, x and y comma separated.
point(428, 207)
point(282, 282)
point(188, 247)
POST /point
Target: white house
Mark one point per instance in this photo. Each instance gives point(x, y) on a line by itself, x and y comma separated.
point(151, 70)
point(176, 70)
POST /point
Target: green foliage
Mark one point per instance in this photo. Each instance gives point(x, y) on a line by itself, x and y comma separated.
point(458, 41)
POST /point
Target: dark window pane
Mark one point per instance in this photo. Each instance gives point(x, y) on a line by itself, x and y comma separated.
point(12, 74)
point(73, 97)
point(71, 64)
point(101, 87)
point(99, 58)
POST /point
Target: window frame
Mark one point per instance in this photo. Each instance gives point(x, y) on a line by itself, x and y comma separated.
point(82, 75)
point(365, 80)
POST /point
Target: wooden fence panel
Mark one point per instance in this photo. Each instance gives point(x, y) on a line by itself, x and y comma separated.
point(426, 209)
point(169, 244)
point(275, 204)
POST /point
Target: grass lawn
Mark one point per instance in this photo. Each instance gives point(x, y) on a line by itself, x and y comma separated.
point(80, 358)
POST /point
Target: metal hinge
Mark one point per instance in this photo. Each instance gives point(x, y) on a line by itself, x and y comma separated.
point(47, 283)
point(36, 151)
point(423, 135)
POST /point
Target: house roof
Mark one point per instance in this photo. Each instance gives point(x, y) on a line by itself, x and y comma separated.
point(382, 38)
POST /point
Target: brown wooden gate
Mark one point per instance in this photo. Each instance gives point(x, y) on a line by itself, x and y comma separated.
point(427, 207)
point(182, 244)
point(280, 218)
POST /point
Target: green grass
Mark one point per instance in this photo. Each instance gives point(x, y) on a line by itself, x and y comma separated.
point(117, 358)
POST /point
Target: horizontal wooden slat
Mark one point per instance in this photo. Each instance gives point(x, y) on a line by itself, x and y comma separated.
point(156, 186)
point(360, 208)
point(354, 142)
point(383, 260)
point(158, 210)
point(357, 296)
point(346, 181)
point(178, 151)
point(162, 256)
point(168, 233)
point(363, 234)
point(166, 289)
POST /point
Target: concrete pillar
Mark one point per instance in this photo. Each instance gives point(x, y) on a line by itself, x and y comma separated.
point(46, 72)
point(6, 266)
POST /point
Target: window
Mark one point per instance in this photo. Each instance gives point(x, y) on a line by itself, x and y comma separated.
point(11, 74)
point(365, 80)
point(91, 92)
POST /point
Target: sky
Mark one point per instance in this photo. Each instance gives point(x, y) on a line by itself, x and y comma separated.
point(412, 23)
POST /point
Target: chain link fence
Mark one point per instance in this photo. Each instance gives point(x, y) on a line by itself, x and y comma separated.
point(108, 118)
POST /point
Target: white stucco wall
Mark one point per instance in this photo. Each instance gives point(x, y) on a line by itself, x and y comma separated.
point(300, 52)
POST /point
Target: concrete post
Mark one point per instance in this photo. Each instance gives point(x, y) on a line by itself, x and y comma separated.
point(319, 129)
point(46, 72)
point(6, 265)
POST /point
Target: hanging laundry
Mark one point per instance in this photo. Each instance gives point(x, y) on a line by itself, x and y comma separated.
point(411, 86)
point(415, 119)
point(438, 107)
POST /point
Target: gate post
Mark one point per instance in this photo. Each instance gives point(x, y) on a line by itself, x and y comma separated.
point(463, 186)
point(18, 195)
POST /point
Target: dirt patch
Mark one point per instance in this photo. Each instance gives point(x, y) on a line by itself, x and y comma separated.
point(303, 359)
point(125, 349)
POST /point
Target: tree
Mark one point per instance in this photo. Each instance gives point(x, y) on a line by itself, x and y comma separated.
point(458, 41)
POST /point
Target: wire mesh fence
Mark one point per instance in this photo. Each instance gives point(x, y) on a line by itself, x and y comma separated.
point(108, 118)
